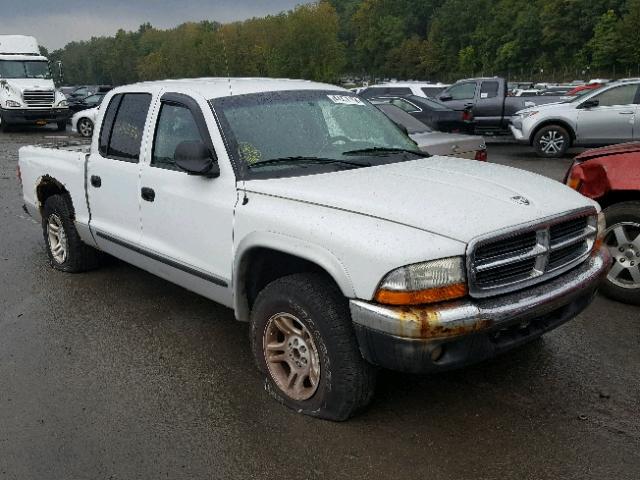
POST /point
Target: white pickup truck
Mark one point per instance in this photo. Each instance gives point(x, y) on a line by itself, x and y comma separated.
point(310, 214)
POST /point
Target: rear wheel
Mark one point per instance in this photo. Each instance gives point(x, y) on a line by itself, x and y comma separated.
point(303, 341)
point(622, 238)
point(67, 252)
point(552, 141)
point(85, 127)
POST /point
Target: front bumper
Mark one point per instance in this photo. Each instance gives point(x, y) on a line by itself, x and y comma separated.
point(453, 334)
point(518, 134)
point(28, 116)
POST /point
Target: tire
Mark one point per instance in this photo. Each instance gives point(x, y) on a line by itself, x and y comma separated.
point(65, 249)
point(62, 126)
point(622, 237)
point(551, 141)
point(319, 313)
point(4, 126)
point(85, 127)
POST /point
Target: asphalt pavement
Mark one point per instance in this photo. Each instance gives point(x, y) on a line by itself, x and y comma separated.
point(117, 374)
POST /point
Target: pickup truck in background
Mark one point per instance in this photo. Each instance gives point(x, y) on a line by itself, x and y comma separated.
point(314, 217)
point(489, 102)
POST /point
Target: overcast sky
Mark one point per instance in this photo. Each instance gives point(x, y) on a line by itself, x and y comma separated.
point(56, 22)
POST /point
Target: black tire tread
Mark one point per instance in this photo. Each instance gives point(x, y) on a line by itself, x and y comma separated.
point(351, 375)
point(539, 134)
point(81, 257)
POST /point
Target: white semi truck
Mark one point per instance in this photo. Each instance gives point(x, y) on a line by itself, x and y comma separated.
point(27, 93)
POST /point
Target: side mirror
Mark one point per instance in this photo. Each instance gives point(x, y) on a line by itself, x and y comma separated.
point(445, 97)
point(590, 104)
point(195, 158)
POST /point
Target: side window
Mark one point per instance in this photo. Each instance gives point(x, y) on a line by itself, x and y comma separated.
point(623, 95)
point(431, 92)
point(126, 129)
point(489, 89)
point(175, 125)
point(463, 91)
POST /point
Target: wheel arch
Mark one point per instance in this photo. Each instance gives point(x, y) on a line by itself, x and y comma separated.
point(262, 258)
point(614, 197)
point(547, 123)
point(47, 186)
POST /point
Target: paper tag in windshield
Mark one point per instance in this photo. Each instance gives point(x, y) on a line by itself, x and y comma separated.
point(345, 99)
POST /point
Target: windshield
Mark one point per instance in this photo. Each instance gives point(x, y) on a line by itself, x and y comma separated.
point(308, 131)
point(24, 69)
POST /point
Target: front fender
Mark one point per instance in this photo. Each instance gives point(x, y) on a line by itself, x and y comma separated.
point(290, 245)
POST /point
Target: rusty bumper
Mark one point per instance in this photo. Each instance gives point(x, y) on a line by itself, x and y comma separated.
point(453, 334)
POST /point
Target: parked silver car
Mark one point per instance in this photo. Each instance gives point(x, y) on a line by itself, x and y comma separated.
point(608, 115)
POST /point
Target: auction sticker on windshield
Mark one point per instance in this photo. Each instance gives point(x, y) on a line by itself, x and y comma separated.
point(345, 99)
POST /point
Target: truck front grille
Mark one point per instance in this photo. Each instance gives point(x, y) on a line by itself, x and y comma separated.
point(520, 258)
point(39, 98)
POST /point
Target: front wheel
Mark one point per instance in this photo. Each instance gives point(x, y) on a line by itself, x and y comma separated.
point(551, 141)
point(622, 238)
point(85, 127)
point(303, 341)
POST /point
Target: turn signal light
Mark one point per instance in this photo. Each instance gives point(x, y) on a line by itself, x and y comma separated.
point(431, 295)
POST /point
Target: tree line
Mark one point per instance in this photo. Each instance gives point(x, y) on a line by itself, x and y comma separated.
point(410, 39)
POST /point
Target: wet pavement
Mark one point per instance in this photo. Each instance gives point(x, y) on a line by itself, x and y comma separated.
point(116, 374)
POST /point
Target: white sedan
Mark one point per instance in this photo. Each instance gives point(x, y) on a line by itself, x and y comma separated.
point(83, 121)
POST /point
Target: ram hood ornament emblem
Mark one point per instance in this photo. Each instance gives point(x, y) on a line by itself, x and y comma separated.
point(520, 200)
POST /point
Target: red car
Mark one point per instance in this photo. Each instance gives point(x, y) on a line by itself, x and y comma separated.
point(582, 89)
point(611, 176)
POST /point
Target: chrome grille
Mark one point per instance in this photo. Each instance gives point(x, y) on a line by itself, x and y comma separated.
point(516, 259)
point(39, 98)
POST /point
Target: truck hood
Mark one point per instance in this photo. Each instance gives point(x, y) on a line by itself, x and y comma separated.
point(21, 84)
point(459, 199)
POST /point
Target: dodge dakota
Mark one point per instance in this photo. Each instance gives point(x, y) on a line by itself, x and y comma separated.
point(315, 218)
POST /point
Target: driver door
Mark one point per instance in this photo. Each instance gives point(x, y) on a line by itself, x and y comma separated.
point(611, 120)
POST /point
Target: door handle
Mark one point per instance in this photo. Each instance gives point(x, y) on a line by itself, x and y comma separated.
point(627, 113)
point(96, 181)
point(148, 194)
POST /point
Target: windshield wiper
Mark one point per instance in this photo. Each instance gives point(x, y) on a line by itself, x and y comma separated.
point(309, 160)
point(384, 151)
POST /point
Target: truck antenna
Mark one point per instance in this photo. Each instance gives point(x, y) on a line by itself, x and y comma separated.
point(226, 60)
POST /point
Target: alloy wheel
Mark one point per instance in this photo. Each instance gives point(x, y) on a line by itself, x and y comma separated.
point(291, 356)
point(85, 127)
point(623, 241)
point(552, 142)
point(57, 239)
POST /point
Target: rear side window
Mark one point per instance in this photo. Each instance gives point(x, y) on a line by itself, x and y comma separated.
point(123, 126)
point(432, 91)
point(489, 89)
point(623, 95)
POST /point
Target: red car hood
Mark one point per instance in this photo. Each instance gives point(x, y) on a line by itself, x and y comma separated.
point(618, 149)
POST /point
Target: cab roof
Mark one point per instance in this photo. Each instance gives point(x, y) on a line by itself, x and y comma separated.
point(224, 87)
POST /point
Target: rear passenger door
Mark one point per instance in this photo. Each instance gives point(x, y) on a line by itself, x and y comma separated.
point(611, 120)
point(113, 174)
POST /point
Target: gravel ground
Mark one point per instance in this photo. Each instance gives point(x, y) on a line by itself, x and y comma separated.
point(118, 374)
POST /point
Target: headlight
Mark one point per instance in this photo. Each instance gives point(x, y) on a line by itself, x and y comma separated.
point(425, 282)
point(524, 115)
point(63, 103)
point(11, 103)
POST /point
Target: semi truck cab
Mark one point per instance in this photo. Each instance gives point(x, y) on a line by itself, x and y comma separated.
point(27, 93)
